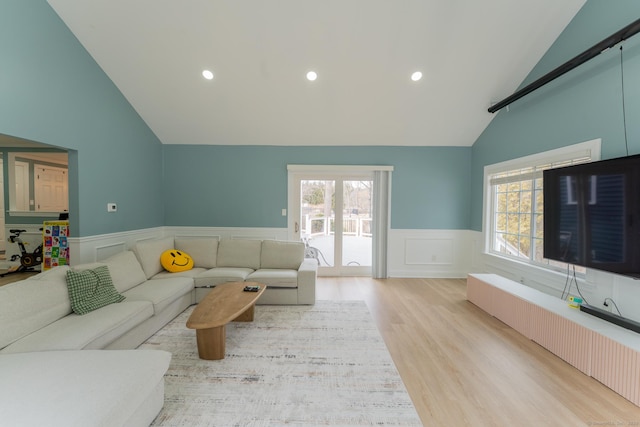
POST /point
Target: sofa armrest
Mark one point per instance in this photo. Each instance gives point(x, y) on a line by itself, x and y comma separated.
point(307, 273)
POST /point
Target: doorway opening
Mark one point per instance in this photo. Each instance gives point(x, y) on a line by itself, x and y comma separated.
point(335, 222)
point(342, 214)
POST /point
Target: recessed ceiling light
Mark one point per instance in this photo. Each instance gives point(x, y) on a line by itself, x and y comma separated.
point(416, 76)
point(207, 74)
point(312, 75)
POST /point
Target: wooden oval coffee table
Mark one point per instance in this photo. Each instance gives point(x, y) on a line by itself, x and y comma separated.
point(225, 303)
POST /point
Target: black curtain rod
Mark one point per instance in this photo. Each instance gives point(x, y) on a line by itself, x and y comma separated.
point(623, 34)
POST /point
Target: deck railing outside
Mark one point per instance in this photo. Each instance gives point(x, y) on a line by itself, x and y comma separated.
point(352, 226)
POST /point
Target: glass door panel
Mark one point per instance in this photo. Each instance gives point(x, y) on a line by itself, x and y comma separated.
point(356, 233)
point(335, 223)
point(317, 225)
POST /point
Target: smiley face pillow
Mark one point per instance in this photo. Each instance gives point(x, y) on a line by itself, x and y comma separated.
point(175, 261)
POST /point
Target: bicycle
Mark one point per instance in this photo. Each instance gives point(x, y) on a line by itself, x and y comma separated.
point(28, 260)
point(314, 253)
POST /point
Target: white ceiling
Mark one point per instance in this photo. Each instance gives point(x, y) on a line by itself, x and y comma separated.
point(471, 53)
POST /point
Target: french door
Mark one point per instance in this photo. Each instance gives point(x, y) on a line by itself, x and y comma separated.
point(332, 212)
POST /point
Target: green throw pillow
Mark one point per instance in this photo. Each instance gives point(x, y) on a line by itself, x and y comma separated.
point(91, 289)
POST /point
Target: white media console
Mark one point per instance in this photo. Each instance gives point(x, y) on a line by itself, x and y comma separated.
point(602, 350)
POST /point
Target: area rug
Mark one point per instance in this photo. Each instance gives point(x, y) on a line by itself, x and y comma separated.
point(293, 365)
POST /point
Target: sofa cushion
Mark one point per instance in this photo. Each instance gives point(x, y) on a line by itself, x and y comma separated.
point(148, 253)
point(79, 388)
point(126, 272)
point(188, 273)
point(161, 292)
point(275, 278)
point(92, 331)
point(278, 254)
point(203, 250)
point(91, 289)
point(219, 275)
point(48, 301)
point(57, 274)
point(239, 253)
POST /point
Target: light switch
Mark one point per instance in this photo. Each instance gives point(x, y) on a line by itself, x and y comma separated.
point(112, 207)
point(284, 212)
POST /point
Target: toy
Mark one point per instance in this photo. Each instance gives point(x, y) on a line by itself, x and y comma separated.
point(175, 261)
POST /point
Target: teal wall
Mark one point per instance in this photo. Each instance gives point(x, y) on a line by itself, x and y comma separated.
point(52, 91)
point(246, 186)
point(584, 104)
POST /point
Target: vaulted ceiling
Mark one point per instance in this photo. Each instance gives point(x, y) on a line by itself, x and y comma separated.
point(470, 53)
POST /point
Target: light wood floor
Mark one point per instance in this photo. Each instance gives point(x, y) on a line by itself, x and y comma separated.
point(463, 367)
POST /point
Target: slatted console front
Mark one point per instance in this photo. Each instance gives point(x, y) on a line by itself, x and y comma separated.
point(602, 350)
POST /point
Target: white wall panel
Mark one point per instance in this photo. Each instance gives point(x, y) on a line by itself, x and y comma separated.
point(412, 253)
point(96, 248)
point(430, 253)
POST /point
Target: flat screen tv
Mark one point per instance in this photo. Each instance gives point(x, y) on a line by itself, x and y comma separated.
point(592, 215)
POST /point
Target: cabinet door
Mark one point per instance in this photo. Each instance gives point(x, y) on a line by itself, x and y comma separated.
point(617, 367)
point(562, 337)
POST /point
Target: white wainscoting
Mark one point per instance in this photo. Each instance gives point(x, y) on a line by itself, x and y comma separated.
point(430, 253)
point(542, 279)
point(412, 253)
point(545, 280)
point(99, 247)
point(595, 286)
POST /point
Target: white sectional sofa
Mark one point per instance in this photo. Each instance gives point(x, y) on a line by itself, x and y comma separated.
point(36, 315)
point(39, 329)
point(290, 278)
point(82, 388)
point(50, 375)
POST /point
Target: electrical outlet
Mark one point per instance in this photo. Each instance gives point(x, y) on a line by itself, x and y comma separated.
point(112, 207)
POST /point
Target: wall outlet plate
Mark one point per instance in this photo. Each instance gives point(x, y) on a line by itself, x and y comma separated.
point(112, 207)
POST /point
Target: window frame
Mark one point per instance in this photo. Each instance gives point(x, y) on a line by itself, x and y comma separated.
point(591, 149)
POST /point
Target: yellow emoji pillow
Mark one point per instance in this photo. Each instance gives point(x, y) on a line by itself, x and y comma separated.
point(175, 261)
